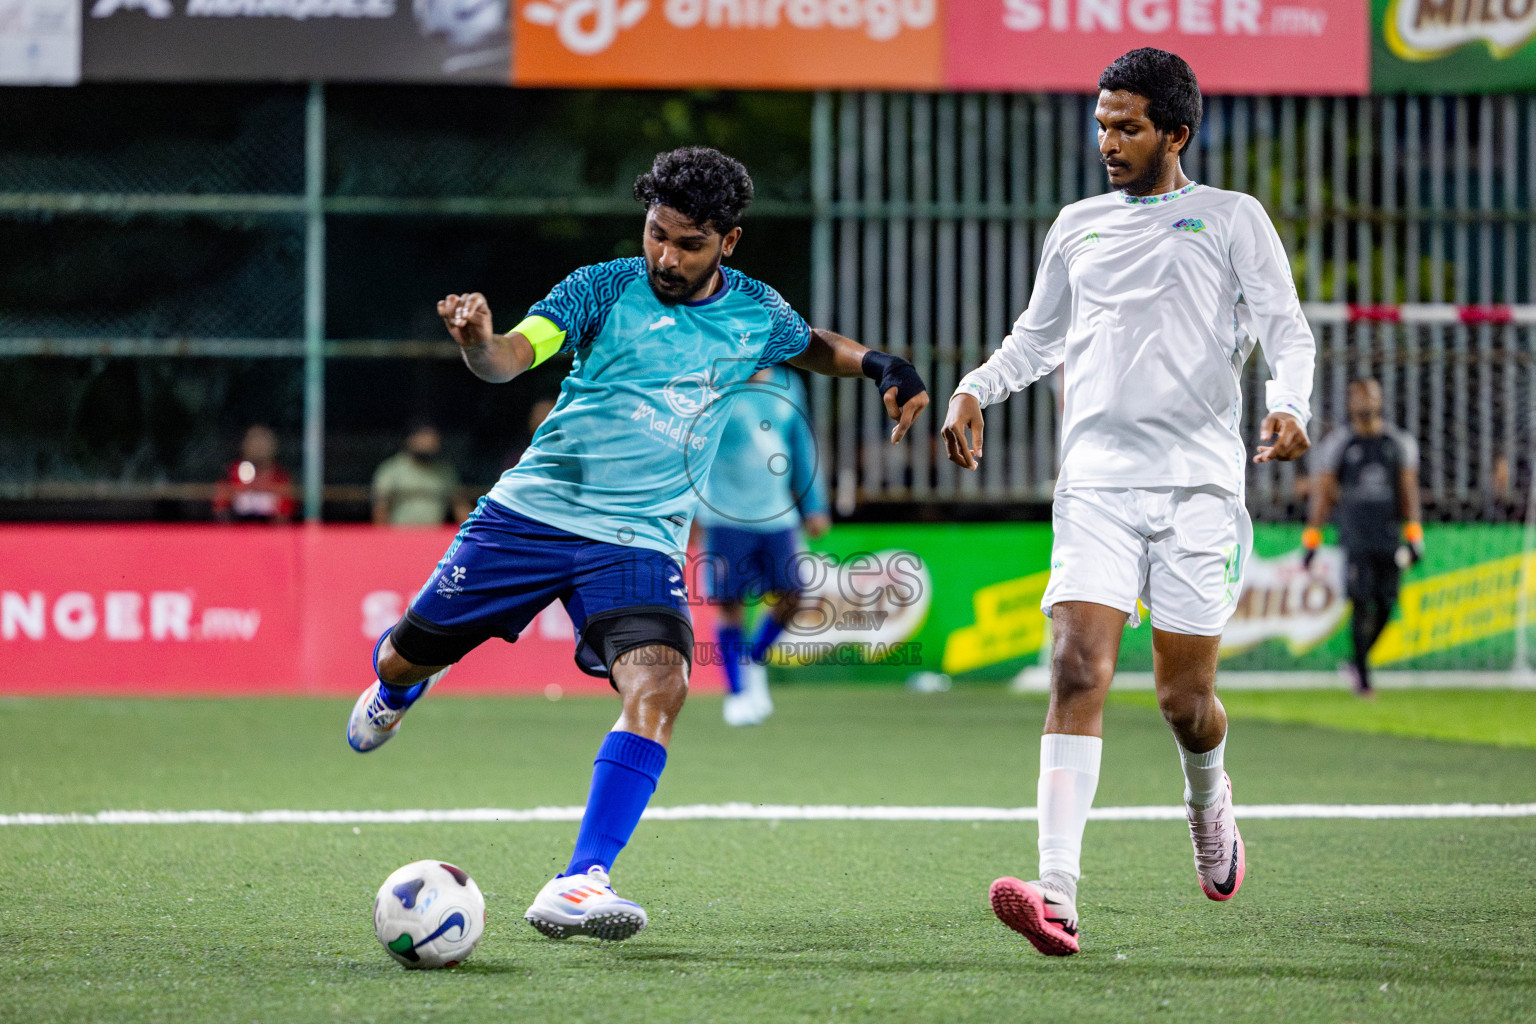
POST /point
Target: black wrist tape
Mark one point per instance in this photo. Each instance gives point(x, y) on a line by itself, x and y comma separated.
point(890, 371)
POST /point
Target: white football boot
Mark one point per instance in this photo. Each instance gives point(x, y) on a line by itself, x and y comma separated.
point(374, 723)
point(1220, 857)
point(584, 905)
point(738, 709)
point(754, 681)
point(752, 705)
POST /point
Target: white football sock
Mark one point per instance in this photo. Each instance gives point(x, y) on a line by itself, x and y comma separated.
point(1204, 776)
point(1069, 775)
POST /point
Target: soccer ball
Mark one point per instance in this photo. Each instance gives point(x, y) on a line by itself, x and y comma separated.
point(429, 914)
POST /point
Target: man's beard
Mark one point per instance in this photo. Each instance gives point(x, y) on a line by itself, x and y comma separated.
point(1144, 182)
point(679, 288)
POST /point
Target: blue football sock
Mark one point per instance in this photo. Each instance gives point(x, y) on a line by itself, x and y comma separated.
point(396, 697)
point(767, 632)
point(623, 779)
point(730, 655)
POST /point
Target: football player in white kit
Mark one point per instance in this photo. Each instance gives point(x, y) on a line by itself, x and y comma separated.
point(1150, 297)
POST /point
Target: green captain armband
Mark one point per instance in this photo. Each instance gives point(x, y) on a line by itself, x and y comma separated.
point(543, 334)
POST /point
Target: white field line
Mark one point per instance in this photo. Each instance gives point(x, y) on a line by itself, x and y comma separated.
point(762, 812)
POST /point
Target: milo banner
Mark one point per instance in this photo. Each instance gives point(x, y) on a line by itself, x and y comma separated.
point(964, 600)
point(1457, 46)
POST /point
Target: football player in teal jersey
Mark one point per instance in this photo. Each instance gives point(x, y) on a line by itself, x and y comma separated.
point(765, 486)
point(596, 512)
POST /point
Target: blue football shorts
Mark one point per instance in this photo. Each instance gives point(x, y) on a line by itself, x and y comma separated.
point(740, 565)
point(503, 568)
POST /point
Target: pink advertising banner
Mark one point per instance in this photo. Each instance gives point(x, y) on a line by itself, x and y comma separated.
point(1235, 46)
point(241, 610)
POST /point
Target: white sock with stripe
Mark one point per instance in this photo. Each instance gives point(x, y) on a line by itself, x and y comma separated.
point(1204, 774)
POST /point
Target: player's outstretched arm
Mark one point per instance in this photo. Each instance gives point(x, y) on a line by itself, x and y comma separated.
point(490, 356)
point(901, 387)
point(1035, 347)
point(1325, 491)
point(1264, 275)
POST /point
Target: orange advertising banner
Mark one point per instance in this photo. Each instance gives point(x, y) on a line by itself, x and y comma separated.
point(743, 44)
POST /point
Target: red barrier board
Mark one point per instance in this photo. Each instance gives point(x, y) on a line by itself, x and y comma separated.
point(1235, 46)
point(242, 610)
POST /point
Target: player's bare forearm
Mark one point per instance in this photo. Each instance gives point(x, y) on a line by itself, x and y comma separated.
point(901, 388)
point(492, 357)
point(1320, 507)
point(1408, 487)
point(831, 355)
point(500, 359)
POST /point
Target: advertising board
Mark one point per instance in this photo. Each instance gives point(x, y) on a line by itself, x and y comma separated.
point(1441, 46)
point(1262, 47)
point(295, 40)
point(750, 44)
point(243, 610)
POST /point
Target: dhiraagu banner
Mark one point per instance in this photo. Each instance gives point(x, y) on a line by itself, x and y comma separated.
point(1455, 46)
point(964, 599)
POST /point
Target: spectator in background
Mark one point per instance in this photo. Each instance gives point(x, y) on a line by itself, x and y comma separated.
point(537, 414)
point(1369, 471)
point(256, 489)
point(415, 487)
point(1503, 502)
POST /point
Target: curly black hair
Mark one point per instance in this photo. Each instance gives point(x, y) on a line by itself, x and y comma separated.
point(1173, 95)
point(702, 184)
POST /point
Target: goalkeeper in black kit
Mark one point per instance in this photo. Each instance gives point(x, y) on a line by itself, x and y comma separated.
point(1368, 473)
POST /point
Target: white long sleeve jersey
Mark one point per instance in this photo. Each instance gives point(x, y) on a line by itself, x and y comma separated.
point(1153, 304)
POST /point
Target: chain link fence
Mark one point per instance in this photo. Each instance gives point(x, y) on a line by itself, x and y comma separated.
point(934, 209)
point(159, 306)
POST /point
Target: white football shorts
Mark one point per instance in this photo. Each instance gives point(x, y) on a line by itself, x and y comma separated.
point(1180, 550)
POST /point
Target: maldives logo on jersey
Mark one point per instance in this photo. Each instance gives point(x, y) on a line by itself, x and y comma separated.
point(1189, 224)
point(689, 396)
point(691, 393)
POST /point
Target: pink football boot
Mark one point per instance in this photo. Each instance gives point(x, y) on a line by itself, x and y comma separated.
point(1219, 856)
point(1044, 916)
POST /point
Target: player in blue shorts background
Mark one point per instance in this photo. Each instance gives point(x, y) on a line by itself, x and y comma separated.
point(764, 485)
point(596, 513)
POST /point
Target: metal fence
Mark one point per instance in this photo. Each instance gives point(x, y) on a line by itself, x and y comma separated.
point(184, 261)
point(932, 211)
point(926, 214)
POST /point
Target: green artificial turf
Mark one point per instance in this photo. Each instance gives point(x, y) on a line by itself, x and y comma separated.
point(1506, 718)
point(750, 921)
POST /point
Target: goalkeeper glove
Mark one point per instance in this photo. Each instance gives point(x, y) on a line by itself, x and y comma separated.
point(1311, 540)
point(1411, 552)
